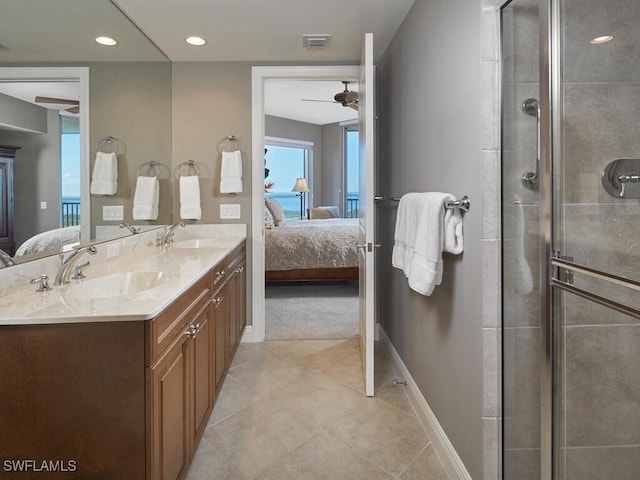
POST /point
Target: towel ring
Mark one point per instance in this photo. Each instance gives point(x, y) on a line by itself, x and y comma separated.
point(152, 165)
point(235, 141)
point(110, 141)
point(191, 165)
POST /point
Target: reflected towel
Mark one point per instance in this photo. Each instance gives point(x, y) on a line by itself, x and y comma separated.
point(190, 198)
point(424, 229)
point(104, 180)
point(146, 198)
point(231, 172)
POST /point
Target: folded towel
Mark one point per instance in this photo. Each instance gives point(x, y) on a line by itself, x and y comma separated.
point(104, 180)
point(190, 198)
point(146, 198)
point(231, 172)
point(424, 229)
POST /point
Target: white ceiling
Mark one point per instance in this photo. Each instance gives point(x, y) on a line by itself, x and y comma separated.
point(258, 31)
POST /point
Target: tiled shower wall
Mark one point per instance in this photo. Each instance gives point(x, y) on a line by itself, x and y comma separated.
point(600, 409)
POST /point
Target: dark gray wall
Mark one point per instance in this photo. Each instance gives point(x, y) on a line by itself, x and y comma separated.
point(332, 166)
point(429, 134)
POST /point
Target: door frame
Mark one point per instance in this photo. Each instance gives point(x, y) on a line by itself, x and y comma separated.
point(259, 75)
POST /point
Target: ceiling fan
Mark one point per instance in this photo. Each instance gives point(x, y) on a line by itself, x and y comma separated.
point(347, 98)
point(75, 108)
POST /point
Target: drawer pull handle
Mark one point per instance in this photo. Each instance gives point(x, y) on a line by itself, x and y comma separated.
point(193, 331)
point(216, 301)
point(219, 275)
point(239, 269)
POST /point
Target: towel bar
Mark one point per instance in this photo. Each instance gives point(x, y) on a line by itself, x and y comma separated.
point(463, 203)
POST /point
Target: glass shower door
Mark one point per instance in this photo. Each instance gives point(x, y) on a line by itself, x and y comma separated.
point(595, 267)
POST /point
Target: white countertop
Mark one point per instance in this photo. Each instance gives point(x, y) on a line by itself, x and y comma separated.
point(182, 267)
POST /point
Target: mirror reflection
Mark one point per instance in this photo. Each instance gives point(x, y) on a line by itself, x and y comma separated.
point(51, 135)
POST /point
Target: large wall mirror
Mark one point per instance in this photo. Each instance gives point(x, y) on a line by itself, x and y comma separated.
point(120, 93)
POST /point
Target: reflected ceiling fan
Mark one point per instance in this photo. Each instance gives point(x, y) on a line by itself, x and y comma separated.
point(74, 108)
point(347, 98)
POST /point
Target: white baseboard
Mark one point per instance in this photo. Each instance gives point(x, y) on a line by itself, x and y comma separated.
point(247, 335)
point(441, 444)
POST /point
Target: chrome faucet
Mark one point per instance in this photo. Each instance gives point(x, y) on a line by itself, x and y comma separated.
point(131, 228)
point(167, 238)
point(62, 277)
point(6, 259)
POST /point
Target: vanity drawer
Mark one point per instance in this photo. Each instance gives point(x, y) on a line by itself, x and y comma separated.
point(167, 326)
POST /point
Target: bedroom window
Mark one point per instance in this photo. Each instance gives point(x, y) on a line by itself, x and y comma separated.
point(70, 171)
point(351, 165)
point(287, 160)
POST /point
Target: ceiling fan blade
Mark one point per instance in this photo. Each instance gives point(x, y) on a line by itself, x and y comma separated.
point(75, 109)
point(60, 101)
point(313, 100)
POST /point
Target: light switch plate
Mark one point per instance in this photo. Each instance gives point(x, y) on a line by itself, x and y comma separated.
point(43, 205)
point(113, 250)
point(229, 211)
point(113, 213)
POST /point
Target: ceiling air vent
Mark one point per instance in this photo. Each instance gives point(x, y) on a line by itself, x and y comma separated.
point(319, 40)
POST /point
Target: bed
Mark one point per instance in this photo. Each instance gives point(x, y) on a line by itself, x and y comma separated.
point(312, 250)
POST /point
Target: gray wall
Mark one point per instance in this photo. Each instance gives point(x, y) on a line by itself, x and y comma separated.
point(17, 113)
point(332, 166)
point(36, 178)
point(132, 102)
point(429, 134)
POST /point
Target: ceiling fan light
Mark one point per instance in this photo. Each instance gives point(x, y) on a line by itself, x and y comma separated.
point(107, 41)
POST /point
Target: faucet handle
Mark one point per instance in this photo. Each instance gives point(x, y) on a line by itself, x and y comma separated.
point(43, 280)
point(79, 273)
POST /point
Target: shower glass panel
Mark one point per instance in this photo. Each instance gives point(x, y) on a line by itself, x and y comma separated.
point(520, 241)
point(597, 308)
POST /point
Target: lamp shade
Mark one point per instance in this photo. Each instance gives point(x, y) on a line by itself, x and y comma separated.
point(300, 185)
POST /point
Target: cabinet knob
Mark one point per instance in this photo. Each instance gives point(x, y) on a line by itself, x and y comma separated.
point(216, 301)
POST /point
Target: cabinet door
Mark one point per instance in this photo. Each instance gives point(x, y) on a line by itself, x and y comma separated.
point(241, 293)
point(233, 313)
point(220, 309)
point(200, 354)
point(169, 413)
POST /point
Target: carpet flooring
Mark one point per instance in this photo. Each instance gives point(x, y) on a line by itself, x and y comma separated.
point(311, 311)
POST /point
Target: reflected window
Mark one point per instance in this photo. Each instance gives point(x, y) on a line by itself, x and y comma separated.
point(351, 161)
point(70, 170)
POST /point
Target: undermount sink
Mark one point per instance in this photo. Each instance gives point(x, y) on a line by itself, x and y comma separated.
point(116, 285)
point(205, 243)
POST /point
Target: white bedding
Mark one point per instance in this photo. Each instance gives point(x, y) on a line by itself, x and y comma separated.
point(304, 244)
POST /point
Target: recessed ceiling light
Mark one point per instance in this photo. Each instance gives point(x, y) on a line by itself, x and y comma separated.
point(197, 41)
point(602, 39)
point(108, 41)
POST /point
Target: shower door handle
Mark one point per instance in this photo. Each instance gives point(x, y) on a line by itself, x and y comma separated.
point(532, 107)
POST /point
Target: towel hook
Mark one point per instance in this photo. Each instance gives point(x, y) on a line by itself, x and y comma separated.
point(110, 141)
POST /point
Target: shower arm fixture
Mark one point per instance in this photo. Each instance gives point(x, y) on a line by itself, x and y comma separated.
point(532, 107)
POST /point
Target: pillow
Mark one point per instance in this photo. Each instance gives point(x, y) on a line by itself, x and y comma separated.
point(323, 212)
point(268, 218)
point(276, 210)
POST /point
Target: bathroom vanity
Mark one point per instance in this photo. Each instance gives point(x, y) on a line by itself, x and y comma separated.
point(124, 392)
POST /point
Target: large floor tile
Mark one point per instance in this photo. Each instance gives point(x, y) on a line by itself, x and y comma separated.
point(248, 353)
point(425, 466)
point(234, 397)
point(323, 458)
point(384, 435)
point(210, 464)
point(272, 373)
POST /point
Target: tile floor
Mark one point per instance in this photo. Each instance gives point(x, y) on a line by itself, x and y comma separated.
point(297, 410)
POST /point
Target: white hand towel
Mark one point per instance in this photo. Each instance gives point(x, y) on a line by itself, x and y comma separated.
point(146, 198)
point(231, 172)
point(190, 198)
point(420, 236)
point(104, 180)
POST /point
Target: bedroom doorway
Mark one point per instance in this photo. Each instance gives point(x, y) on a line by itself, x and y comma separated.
point(261, 75)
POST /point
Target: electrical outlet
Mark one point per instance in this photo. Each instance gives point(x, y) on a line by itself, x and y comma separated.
point(113, 250)
point(229, 211)
point(43, 205)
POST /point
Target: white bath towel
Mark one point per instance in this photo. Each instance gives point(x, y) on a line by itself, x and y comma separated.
point(424, 229)
point(231, 172)
point(146, 198)
point(190, 198)
point(104, 180)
